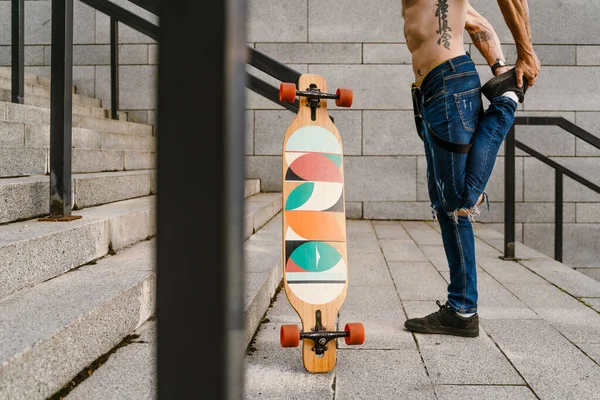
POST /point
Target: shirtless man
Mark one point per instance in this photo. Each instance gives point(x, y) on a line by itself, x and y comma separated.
point(462, 140)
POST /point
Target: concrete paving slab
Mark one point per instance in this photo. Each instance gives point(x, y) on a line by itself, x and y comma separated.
point(373, 374)
point(401, 250)
point(565, 277)
point(496, 365)
point(359, 227)
point(485, 232)
point(380, 311)
point(417, 280)
point(507, 271)
point(552, 366)
point(497, 302)
point(360, 237)
point(461, 392)
point(281, 311)
point(592, 350)
point(569, 316)
point(483, 248)
point(521, 251)
point(422, 233)
point(367, 268)
point(390, 230)
point(593, 302)
point(458, 360)
point(437, 256)
point(276, 373)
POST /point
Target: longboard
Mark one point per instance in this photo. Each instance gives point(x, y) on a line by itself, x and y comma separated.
point(315, 261)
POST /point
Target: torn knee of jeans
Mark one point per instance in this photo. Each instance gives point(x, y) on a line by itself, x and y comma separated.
point(470, 213)
point(433, 212)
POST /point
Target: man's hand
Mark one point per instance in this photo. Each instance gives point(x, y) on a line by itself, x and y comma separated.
point(528, 66)
point(516, 16)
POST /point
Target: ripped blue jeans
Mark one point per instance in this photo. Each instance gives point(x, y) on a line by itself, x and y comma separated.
point(461, 144)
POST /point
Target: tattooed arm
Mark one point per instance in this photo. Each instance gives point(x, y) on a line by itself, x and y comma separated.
point(516, 16)
point(484, 38)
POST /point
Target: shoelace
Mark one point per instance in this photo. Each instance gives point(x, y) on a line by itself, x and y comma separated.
point(442, 307)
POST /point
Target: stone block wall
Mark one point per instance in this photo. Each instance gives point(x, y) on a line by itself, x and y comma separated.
point(360, 45)
point(138, 54)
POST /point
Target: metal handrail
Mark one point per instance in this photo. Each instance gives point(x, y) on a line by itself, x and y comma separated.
point(124, 16)
point(257, 59)
point(560, 171)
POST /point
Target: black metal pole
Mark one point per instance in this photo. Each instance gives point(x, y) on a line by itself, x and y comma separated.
point(114, 68)
point(509, 195)
point(200, 264)
point(61, 85)
point(18, 51)
point(558, 216)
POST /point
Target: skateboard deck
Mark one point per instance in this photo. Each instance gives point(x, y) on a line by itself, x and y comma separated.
point(315, 262)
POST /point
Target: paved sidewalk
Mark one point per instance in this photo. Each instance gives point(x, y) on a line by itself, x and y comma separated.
point(539, 327)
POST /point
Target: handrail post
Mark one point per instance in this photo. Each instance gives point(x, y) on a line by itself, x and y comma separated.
point(183, 282)
point(558, 216)
point(18, 51)
point(114, 68)
point(61, 110)
point(509, 195)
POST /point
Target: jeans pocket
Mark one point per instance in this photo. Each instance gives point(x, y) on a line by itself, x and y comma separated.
point(469, 105)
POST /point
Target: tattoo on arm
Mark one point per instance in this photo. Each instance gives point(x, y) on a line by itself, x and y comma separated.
point(420, 74)
point(482, 36)
point(443, 29)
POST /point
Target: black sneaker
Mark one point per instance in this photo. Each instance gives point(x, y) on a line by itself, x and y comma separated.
point(503, 83)
point(445, 321)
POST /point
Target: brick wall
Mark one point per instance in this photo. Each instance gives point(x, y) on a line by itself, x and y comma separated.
point(360, 45)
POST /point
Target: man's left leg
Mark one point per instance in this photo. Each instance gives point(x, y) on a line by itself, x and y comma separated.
point(457, 235)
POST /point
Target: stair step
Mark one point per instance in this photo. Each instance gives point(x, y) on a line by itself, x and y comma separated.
point(263, 273)
point(129, 373)
point(41, 101)
point(32, 252)
point(27, 197)
point(16, 134)
point(259, 209)
point(25, 161)
point(44, 92)
point(41, 115)
point(50, 332)
point(5, 72)
point(251, 187)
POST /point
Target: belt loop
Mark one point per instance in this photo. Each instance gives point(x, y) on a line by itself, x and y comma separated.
point(451, 65)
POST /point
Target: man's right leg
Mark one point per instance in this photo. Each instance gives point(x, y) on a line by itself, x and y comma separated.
point(489, 136)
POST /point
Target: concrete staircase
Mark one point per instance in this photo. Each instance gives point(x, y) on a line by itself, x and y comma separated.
point(74, 294)
point(71, 291)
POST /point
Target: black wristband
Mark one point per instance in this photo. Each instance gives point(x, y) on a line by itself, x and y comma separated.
point(498, 64)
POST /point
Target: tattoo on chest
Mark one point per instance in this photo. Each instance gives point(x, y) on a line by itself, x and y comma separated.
point(443, 29)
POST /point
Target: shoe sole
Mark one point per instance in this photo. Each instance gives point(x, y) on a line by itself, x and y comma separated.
point(500, 79)
point(443, 331)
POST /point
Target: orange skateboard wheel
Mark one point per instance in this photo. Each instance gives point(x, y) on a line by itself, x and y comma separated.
point(289, 336)
point(287, 92)
point(356, 333)
point(344, 97)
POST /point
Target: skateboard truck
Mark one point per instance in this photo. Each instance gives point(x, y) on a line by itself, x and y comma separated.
point(320, 336)
point(288, 93)
point(290, 335)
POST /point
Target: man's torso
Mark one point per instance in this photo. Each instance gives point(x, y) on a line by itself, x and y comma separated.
point(434, 31)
